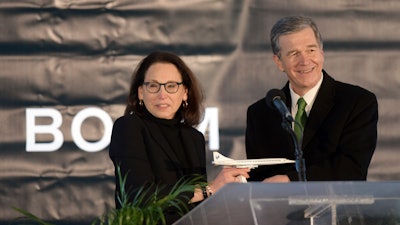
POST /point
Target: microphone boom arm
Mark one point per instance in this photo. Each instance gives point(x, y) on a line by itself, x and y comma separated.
point(276, 99)
point(300, 162)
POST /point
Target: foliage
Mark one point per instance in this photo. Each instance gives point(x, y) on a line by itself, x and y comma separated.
point(148, 209)
point(30, 218)
point(145, 209)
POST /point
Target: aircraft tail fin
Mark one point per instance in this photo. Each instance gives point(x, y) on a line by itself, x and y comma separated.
point(219, 157)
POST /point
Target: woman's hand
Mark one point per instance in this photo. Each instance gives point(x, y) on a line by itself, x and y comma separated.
point(227, 175)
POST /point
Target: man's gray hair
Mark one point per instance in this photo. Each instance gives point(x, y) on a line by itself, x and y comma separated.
point(291, 24)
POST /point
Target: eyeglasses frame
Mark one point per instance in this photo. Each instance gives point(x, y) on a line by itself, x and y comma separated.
point(162, 84)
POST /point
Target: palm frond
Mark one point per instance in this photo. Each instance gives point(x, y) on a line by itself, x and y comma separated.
point(146, 208)
point(30, 217)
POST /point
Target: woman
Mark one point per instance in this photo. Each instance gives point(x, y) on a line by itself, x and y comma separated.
point(155, 142)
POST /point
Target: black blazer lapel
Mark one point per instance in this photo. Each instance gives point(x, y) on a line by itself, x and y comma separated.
point(286, 90)
point(322, 105)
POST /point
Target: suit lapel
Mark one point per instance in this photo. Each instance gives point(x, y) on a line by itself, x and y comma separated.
point(321, 107)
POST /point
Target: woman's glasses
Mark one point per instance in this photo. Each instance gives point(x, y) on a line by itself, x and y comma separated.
point(170, 87)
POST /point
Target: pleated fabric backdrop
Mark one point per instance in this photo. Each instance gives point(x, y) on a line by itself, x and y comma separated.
point(67, 65)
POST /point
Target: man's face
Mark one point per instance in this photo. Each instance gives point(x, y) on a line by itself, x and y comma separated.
point(301, 58)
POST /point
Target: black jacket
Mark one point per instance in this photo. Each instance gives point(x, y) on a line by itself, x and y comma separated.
point(339, 137)
point(141, 150)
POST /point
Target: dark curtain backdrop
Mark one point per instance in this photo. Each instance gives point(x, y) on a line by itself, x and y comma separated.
point(71, 55)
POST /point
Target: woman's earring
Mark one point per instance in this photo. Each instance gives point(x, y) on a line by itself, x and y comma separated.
point(185, 104)
point(141, 102)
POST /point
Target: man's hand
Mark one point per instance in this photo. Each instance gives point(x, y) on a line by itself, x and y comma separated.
point(277, 179)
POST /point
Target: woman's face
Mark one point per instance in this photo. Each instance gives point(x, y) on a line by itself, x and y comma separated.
point(162, 104)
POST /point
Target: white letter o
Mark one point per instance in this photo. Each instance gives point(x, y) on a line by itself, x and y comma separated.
point(76, 131)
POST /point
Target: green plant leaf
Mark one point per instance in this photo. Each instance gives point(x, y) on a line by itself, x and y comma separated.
point(31, 217)
point(145, 208)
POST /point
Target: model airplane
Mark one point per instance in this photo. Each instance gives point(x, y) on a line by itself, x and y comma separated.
point(221, 160)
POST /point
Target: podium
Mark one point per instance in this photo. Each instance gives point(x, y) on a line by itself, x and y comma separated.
point(300, 203)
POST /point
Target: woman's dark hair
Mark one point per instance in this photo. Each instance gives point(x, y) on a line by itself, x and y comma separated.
point(193, 112)
point(291, 24)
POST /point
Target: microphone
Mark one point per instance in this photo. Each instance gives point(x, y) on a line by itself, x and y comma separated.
point(276, 99)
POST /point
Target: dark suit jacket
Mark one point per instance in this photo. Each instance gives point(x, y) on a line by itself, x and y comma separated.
point(339, 136)
point(139, 148)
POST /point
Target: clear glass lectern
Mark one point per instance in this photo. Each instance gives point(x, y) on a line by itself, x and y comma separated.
point(299, 203)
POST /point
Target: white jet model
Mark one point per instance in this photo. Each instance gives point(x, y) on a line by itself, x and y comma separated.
point(221, 160)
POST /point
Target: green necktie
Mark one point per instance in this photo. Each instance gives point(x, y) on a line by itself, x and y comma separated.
point(301, 118)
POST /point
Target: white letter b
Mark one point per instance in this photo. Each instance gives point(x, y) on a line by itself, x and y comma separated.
point(53, 128)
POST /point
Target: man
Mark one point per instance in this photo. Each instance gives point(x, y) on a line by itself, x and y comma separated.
point(340, 131)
